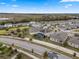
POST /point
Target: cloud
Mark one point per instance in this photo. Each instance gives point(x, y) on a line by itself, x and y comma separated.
point(2, 3)
point(13, 0)
point(15, 6)
point(69, 1)
point(68, 5)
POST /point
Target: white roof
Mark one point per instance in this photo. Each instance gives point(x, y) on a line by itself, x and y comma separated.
point(4, 18)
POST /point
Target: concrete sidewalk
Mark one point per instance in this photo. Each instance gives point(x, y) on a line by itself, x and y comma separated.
point(14, 57)
point(66, 50)
point(30, 55)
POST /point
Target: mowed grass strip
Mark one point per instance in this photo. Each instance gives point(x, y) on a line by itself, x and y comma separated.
point(3, 31)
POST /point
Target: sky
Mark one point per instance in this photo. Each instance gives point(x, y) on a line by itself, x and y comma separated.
point(39, 6)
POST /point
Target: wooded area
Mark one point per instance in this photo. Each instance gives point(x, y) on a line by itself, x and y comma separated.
point(17, 18)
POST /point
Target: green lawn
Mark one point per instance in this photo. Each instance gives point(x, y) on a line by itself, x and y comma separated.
point(14, 28)
point(76, 30)
point(3, 31)
point(5, 51)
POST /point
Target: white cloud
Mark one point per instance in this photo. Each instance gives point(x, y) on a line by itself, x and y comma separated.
point(15, 6)
point(69, 1)
point(13, 0)
point(2, 3)
point(68, 5)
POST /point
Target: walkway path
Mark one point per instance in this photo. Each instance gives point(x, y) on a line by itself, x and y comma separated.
point(14, 57)
point(55, 46)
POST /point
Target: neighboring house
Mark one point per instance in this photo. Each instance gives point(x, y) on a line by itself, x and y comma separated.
point(2, 27)
point(59, 37)
point(8, 25)
point(35, 29)
point(39, 35)
point(3, 19)
point(68, 26)
point(52, 55)
point(74, 42)
point(47, 29)
point(21, 24)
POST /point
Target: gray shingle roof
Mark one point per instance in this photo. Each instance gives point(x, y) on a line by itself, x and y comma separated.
point(52, 55)
point(60, 36)
point(74, 40)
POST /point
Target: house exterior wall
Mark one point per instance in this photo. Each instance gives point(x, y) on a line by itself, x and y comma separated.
point(55, 40)
point(52, 39)
point(73, 45)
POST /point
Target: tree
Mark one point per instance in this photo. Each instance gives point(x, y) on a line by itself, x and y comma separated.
point(19, 56)
point(19, 35)
point(12, 32)
point(18, 30)
point(65, 43)
point(25, 29)
point(45, 55)
point(74, 54)
point(10, 48)
point(32, 51)
point(7, 29)
point(30, 39)
point(15, 50)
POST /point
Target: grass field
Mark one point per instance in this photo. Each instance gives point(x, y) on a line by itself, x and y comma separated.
point(3, 31)
point(14, 28)
point(76, 30)
point(5, 52)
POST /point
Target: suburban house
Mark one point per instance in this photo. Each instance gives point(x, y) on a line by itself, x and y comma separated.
point(52, 55)
point(74, 42)
point(47, 29)
point(39, 35)
point(2, 27)
point(8, 25)
point(3, 19)
point(35, 29)
point(59, 37)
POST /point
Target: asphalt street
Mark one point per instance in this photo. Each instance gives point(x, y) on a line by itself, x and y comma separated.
point(29, 46)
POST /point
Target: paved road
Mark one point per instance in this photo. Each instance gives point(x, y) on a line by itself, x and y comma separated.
point(14, 57)
point(69, 51)
point(26, 45)
point(29, 56)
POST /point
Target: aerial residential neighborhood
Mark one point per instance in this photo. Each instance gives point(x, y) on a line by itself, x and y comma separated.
point(39, 29)
point(34, 37)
